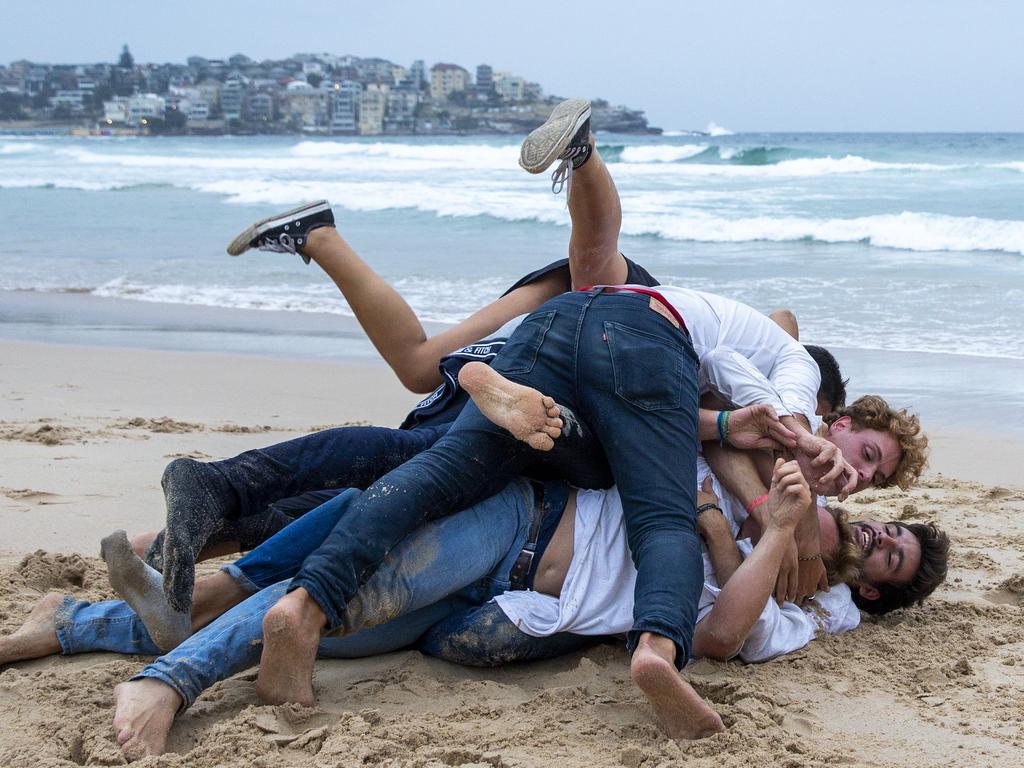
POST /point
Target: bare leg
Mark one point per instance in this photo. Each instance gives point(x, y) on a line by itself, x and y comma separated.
point(683, 713)
point(142, 542)
point(529, 415)
point(392, 325)
point(291, 633)
point(35, 638)
point(143, 714)
point(594, 257)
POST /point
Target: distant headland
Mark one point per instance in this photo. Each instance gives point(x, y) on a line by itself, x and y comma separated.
point(312, 93)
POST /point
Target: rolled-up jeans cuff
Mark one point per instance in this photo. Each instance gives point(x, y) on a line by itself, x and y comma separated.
point(321, 597)
point(187, 699)
point(682, 644)
point(239, 576)
point(63, 623)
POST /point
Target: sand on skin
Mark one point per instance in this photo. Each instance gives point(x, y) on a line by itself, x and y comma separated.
point(938, 685)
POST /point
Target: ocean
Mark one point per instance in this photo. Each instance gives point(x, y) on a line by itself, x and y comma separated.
point(903, 253)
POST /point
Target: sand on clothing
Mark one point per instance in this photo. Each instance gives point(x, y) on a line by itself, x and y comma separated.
point(84, 436)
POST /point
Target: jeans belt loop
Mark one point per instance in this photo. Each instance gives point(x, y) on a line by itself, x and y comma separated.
point(520, 573)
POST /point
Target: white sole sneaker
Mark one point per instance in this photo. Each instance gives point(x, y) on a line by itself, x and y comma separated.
point(243, 241)
point(543, 146)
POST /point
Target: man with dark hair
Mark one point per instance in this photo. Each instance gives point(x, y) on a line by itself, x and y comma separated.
point(832, 392)
point(886, 543)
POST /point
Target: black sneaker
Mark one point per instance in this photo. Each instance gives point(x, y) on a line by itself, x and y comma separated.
point(286, 232)
point(564, 136)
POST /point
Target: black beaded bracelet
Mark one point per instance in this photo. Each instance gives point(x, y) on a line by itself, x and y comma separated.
point(706, 507)
point(809, 559)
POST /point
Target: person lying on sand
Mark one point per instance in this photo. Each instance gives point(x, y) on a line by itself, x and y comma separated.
point(587, 550)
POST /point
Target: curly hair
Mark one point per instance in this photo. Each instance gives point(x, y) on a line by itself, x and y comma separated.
point(930, 573)
point(872, 412)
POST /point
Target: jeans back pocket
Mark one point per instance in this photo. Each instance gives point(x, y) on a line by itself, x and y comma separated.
point(519, 354)
point(648, 369)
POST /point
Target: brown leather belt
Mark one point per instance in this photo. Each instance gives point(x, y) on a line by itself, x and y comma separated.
point(519, 576)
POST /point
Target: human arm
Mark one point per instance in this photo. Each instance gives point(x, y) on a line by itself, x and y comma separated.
point(717, 534)
point(742, 598)
point(739, 473)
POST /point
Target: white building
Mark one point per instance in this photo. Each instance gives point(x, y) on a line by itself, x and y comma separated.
point(144, 107)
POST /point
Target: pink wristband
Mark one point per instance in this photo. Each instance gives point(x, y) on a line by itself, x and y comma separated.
point(756, 503)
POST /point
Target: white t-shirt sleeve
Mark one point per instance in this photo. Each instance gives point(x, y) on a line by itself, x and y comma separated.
point(796, 378)
point(787, 628)
point(732, 376)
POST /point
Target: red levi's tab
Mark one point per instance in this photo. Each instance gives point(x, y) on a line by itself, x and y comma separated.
point(647, 292)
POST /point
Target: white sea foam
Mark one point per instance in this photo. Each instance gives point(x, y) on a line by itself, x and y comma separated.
point(907, 231)
point(433, 300)
point(661, 153)
point(19, 148)
point(714, 129)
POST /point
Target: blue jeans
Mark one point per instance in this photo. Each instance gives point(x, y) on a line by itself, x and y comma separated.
point(446, 566)
point(630, 377)
point(341, 457)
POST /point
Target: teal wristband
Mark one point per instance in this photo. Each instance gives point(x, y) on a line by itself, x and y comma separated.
point(723, 427)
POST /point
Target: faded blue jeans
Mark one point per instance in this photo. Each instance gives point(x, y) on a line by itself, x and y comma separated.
point(446, 567)
point(630, 377)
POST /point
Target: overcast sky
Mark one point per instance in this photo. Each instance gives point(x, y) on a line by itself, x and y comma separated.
point(773, 65)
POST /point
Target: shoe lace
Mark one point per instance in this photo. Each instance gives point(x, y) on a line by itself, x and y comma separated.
point(283, 243)
point(562, 175)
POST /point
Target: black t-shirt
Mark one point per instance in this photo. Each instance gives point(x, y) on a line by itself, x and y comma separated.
point(443, 404)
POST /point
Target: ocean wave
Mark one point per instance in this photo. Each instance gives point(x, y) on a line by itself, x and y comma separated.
point(714, 129)
point(19, 148)
point(660, 153)
point(909, 231)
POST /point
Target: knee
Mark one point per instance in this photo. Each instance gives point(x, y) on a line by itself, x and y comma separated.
point(715, 642)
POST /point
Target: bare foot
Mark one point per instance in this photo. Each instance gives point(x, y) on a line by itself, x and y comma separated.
point(143, 714)
point(37, 636)
point(529, 415)
point(683, 713)
point(291, 633)
point(142, 588)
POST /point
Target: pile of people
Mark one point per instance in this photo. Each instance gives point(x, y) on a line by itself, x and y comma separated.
point(598, 456)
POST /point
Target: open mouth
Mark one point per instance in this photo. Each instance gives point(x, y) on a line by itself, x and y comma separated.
point(866, 538)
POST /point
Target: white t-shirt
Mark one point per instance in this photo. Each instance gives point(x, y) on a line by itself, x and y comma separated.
point(728, 332)
point(597, 595)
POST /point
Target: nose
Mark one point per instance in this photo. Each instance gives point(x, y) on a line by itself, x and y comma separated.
point(885, 541)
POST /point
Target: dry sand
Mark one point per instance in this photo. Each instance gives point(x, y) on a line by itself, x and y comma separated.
point(84, 435)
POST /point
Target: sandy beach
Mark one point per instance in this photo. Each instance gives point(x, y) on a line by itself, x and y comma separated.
point(85, 433)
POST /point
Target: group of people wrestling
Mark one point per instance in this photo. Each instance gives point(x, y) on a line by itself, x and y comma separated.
point(598, 456)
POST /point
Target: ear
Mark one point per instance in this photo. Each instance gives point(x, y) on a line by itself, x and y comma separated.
point(868, 592)
point(841, 424)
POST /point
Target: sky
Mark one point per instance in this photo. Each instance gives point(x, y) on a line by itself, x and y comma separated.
point(773, 65)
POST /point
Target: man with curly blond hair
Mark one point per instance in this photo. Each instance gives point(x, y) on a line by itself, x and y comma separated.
point(885, 446)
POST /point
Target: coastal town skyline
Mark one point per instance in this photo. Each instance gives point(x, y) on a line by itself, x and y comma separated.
point(309, 93)
point(799, 66)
